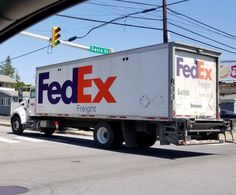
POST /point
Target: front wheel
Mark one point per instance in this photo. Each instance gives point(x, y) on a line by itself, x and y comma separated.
point(17, 127)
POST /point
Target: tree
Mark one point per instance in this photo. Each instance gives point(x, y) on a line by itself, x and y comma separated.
point(19, 85)
point(7, 69)
point(17, 76)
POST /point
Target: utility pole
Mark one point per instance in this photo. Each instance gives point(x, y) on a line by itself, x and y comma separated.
point(165, 32)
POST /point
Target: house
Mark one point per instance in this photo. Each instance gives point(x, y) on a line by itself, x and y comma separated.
point(9, 100)
point(6, 82)
point(8, 96)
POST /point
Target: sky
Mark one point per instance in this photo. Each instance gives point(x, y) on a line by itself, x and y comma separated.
point(218, 14)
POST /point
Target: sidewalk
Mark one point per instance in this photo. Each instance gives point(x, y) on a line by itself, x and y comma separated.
point(5, 120)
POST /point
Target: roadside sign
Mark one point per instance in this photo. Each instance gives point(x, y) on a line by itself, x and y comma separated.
point(99, 50)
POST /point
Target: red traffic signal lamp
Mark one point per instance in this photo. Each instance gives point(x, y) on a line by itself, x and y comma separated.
point(55, 36)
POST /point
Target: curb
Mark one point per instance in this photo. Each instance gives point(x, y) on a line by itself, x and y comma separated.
point(6, 124)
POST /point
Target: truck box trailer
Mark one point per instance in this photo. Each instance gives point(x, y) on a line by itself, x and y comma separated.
point(165, 91)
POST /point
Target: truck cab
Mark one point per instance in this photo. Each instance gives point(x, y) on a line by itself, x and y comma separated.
point(24, 117)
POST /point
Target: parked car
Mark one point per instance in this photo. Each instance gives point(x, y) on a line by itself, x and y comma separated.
point(227, 114)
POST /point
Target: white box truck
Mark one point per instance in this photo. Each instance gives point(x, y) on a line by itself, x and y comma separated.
point(167, 92)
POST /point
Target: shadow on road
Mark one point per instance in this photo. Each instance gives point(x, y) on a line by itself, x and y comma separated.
point(153, 152)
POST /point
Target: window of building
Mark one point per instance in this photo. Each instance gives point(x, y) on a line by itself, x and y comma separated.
point(5, 101)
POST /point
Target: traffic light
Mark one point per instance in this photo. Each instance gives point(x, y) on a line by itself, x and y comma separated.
point(55, 36)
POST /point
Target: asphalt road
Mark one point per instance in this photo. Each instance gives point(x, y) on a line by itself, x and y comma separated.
point(70, 164)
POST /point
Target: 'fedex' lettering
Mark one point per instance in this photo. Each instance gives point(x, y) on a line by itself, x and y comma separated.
point(57, 92)
point(197, 71)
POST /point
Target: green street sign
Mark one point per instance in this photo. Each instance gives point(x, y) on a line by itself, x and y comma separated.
point(99, 50)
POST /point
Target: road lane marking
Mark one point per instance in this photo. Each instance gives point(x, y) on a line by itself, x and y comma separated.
point(10, 141)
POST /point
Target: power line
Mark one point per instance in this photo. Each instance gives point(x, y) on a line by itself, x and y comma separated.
point(121, 12)
point(28, 53)
point(177, 2)
point(189, 23)
point(117, 6)
point(113, 20)
point(197, 25)
point(148, 4)
point(135, 2)
point(196, 40)
point(104, 22)
point(114, 6)
point(151, 28)
point(176, 13)
point(198, 34)
point(144, 18)
point(123, 17)
point(202, 23)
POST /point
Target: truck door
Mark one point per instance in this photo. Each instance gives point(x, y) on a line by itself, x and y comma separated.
point(195, 85)
point(31, 105)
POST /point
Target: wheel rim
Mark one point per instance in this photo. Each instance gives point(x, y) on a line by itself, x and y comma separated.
point(103, 135)
point(16, 125)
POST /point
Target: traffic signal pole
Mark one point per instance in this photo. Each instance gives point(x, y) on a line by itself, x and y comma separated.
point(44, 38)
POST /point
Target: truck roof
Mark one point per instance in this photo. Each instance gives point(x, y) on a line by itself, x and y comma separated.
point(181, 46)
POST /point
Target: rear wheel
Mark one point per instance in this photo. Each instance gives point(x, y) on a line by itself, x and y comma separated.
point(145, 140)
point(17, 127)
point(48, 131)
point(107, 136)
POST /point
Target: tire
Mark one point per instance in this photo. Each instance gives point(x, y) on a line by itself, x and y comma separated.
point(145, 140)
point(47, 131)
point(17, 127)
point(107, 136)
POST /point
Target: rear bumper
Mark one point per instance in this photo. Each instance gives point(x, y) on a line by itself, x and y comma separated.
point(209, 125)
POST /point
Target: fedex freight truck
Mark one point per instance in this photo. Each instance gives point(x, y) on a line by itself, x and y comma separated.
point(166, 92)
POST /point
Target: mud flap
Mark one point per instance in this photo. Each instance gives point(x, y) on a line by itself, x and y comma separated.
point(129, 134)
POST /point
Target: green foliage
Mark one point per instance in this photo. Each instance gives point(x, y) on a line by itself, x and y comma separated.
point(7, 69)
point(17, 76)
point(19, 85)
point(23, 86)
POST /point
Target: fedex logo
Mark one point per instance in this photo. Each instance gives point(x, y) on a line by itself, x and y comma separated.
point(56, 91)
point(196, 71)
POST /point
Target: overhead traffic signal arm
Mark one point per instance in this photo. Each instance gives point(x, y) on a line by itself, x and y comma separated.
point(55, 36)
